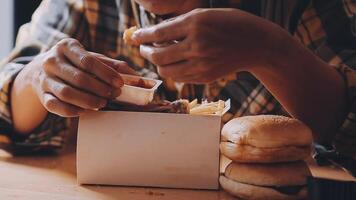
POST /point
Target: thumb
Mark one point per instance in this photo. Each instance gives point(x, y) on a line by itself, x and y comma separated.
point(118, 65)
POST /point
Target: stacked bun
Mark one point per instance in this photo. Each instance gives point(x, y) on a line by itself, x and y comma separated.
point(267, 154)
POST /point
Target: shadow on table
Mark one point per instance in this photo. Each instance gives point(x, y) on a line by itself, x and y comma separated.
point(64, 161)
point(138, 193)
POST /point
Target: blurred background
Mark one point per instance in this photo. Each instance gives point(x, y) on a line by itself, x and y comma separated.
point(13, 13)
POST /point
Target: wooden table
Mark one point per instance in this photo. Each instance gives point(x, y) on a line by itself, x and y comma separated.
point(54, 177)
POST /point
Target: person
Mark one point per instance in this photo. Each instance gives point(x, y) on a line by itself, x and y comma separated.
point(269, 57)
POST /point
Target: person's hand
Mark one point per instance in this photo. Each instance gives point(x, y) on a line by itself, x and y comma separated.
point(206, 44)
point(69, 80)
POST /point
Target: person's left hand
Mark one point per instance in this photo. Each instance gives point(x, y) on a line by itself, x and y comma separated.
point(209, 43)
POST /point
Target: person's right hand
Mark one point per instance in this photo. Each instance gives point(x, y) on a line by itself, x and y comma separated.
point(69, 80)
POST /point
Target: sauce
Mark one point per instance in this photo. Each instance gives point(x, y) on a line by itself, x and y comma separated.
point(139, 83)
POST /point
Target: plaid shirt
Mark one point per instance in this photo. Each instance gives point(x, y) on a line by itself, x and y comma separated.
point(328, 28)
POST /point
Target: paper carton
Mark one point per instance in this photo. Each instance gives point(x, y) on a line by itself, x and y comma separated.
point(148, 149)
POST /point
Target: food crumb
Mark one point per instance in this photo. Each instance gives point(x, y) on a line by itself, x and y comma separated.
point(155, 193)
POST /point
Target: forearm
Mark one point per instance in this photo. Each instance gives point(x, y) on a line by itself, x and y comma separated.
point(27, 110)
point(308, 88)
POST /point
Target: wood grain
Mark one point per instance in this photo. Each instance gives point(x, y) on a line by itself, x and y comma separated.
point(54, 177)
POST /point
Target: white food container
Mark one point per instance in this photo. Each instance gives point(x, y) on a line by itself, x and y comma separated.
point(132, 93)
point(149, 149)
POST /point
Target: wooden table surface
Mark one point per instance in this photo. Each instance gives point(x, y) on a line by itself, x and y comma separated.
point(54, 177)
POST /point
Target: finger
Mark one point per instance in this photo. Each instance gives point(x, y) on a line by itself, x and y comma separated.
point(73, 96)
point(165, 55)
point(198, 78)
point(118, 65)
point(89, 63)
point(80, 79)
point(177, 70)
point(185, 72)
point(192, 79)
point(58, 107)
point(184, 79)
point(166, 31)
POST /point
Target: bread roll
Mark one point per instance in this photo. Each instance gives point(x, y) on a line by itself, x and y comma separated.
point(251, 154)
point(253, 192)
point(276, 174)
point(266, 138)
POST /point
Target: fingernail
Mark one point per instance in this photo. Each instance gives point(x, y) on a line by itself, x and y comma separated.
point(135, 34)
point(118, 82)
point(115, 93)
point(102, 104)
point(135, 40)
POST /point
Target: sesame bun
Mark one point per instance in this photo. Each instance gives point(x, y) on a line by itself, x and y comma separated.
point(266, 139)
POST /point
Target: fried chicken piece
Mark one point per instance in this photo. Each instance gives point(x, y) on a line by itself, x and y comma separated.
point(179, 106)
point(128, 36)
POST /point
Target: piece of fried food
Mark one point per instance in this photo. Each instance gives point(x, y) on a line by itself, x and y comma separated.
point(128, 36)
point(212, 108)
point(180, 106)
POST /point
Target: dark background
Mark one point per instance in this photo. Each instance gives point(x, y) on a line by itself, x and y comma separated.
point(23, 10)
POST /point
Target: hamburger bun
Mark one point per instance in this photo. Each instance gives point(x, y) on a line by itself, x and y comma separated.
point(266, 139)
point(252, 192)
point(276, 174)
point(251, 154)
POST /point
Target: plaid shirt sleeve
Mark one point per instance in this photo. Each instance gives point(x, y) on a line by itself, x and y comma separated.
point(345, 139)
point(345, 61)
point(329, 29)
point(342, 41)
point(52, 21)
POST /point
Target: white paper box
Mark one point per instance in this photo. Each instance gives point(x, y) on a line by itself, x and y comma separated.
point(148, 149)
